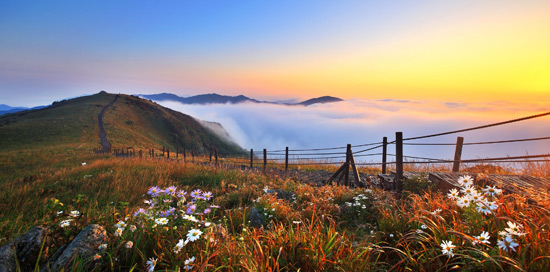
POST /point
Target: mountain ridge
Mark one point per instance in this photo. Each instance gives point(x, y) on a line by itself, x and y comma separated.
point(214, 98)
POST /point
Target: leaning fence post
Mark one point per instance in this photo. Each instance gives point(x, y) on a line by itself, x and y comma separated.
point(265, 159)
point(384, 153)
point(458, 154)
point(286, 159)
point(399, 161)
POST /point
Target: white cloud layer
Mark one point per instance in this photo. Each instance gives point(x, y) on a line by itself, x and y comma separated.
point(356, 122)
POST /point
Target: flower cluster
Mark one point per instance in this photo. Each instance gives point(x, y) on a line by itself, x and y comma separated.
point(512, 231)
point(169, 206)
point(472, 196)
point(165, 203)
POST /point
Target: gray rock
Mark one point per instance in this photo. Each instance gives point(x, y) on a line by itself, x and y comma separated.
point(84, 246)
point(256, 218)
point(26, 248)
point(281, 194)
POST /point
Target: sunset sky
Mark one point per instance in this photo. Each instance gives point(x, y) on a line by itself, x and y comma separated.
point(455, 51)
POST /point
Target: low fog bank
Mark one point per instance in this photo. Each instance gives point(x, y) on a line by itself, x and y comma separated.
point(357, 122)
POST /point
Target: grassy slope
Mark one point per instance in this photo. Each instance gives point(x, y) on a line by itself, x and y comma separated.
point(67, 132)
point(143, 124)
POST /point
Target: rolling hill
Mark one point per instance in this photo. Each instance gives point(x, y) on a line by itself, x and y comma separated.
point(129, 122)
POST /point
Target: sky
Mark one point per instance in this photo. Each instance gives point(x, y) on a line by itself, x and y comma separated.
point(453, 51)
point(418, 67)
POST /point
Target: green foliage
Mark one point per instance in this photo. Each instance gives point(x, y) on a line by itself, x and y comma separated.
point(418, 185)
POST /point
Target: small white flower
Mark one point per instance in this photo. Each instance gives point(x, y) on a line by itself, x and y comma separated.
point(65, 223)
point(483, 238)
point(424, 226)
point(391, 235)
point(133, 228)
point(118, 232)
point(180, 245)
point(514, 229)
point(507, 243)
point(464, 201)
point(453, 194)
point(129, 244)
point(447, 248)
point(465, 181)
point(74, 213)
point(193, 234)
point(121, 224)
point(102, 246)
point(468, 190)
point(190, 218)
point(189, 263)
point(483, 208)
point(161, 221)
point(151, 264)
point(492, 191)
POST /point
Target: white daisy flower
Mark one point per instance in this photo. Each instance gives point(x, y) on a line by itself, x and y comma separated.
point(193, 235)
point(447, 248)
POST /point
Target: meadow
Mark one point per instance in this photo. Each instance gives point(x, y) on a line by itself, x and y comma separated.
point(165, 215)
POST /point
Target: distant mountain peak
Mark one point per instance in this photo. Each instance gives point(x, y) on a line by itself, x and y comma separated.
point(321, 100)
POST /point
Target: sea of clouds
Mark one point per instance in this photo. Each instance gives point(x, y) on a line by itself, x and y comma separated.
point(363, 121)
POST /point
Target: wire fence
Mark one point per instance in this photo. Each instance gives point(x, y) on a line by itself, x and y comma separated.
point(340, 155)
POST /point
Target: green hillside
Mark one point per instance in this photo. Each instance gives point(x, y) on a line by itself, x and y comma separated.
point(130, 121)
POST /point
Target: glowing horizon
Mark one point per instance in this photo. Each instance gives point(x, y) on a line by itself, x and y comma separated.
point(423, 50)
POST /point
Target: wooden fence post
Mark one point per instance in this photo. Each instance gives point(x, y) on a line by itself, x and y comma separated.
point(193, 155)
point(168, 153)
point(251, 158)
point(184, 155)
point(216, 156)
point(384, 153)
point(162, 151)
point(177, 152)
point(348, 161)
point(458, 154)
point(286, 159)
point(265, 159)
point(399, 161)
point(210, 154)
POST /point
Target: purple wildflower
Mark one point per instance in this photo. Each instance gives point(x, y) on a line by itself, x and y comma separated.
point(154, 191)
point(181, 193)
point(196, 193)
point(207, 210)
point(191, 209)
point(207, 195)
point(170, 190)
point(140, 210)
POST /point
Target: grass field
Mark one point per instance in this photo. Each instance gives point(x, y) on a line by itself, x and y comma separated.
point(50, 177)
point(330, 228)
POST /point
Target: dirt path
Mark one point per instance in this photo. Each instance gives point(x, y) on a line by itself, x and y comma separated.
point(102, 134)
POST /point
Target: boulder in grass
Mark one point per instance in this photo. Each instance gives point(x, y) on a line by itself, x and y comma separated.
point(84, 246)
point(256, 218)
point(26, 248)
